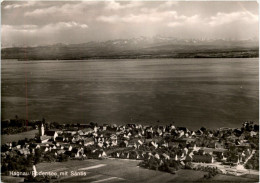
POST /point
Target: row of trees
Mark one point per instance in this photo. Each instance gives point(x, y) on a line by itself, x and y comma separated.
point(154, 164)
point(22, 163)
point(253, 163)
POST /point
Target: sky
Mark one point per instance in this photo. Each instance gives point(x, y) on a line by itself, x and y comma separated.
point(33, 23)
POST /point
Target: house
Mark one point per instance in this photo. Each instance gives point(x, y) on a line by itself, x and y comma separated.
point(112, 128)
point(44, 139)
point(157, 156)
point(67, 147)
point(159, 132)
point(189, 140)
point(165, 156)
point(77, 152)
point(60, 151)
point(44, 148)
point(184, 129)
point(88, 141)
point(51, 134)
point(188, 158)
point(113, 143)
point(70, 132)
point(252, 133)
point(203, 158)
point(23, 151)
point(124, 144)
point(102, 154)
point(171, 128)
point(154, 144)
point(219, 145)
point(86, 131)
point(60, 139)
point(199, 133)
point(173, 144)
point(100, 144)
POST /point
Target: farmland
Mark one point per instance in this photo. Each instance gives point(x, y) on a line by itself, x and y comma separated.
point(116, 170)
point(19, 136)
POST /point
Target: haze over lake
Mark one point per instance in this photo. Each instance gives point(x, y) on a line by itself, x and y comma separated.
point(191, 92)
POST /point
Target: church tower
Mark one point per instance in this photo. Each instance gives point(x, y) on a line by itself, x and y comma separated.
point(41, 130)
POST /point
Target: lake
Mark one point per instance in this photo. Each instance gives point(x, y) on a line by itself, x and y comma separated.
point(189, 92)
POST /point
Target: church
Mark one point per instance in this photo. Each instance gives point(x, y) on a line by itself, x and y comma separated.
point(45, 136)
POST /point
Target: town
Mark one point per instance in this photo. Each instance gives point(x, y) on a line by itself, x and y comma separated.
point(164, 148)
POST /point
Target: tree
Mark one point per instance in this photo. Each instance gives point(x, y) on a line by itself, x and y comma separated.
point(4, 168)
point(63, 158)
point(249, 166)
point(47, 126)
point(12, 165)
point(256, 128)
point(37, 155)
point(14, 144)
point(203, 129)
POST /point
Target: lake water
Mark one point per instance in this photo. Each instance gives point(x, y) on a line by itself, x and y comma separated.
point(189, 92)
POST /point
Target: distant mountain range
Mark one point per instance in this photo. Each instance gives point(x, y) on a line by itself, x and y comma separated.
point(142, 47)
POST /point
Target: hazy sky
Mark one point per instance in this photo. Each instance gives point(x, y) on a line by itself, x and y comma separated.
point(40, 23)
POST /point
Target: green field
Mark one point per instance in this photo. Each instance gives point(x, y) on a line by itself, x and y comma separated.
point(231, 178)
point(115, 170)
point(7, 179)
point(118, 170)
point(19, 136)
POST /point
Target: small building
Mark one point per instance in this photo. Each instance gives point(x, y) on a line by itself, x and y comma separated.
point(52, 134)
point(86, 131)
point(202, 158)
point(44, 139)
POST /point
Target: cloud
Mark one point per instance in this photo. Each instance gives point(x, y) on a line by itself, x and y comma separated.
point(42, 11)
point(227, 18)
point(23, 5)
point(168, 4)
point(7, 29)
point(220, 19)
point(144, 17)
point(49, 28)
point(128, 19)
point(47, 34)
point(69, 8)
point(69, 20)
point(185, 20)
point(62, 25)
point(116, 5)
point(174, 24)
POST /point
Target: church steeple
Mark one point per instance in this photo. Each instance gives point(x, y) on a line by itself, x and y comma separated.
point(42, 130)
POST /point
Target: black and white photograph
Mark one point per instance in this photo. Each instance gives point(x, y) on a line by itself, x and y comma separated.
point(129, 91)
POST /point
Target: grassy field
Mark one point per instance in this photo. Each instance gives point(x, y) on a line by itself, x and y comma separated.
point(7, 179)
point(118, 170)
point(108, 170)
point(230, 178)
point(20, 136)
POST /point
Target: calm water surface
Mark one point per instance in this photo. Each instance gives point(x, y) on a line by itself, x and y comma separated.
point(191, 92)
